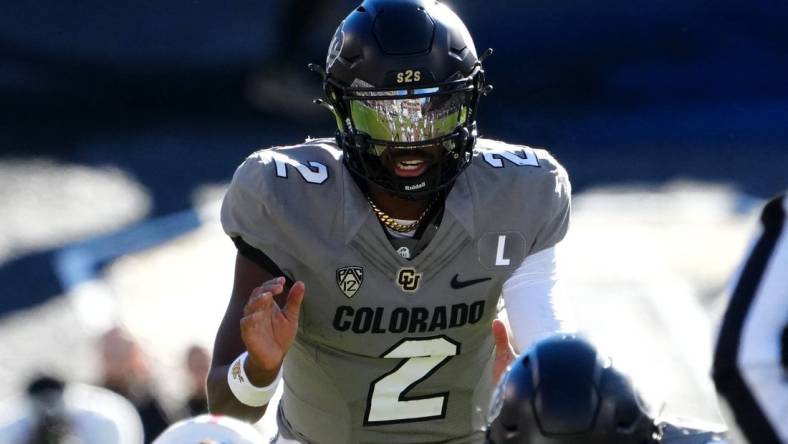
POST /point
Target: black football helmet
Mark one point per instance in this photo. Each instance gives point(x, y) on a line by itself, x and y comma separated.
point(404, 75)
point(562, 392)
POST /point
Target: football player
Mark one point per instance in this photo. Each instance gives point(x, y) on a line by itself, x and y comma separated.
point(751, 357)
point(563, 392)
point(404, 230)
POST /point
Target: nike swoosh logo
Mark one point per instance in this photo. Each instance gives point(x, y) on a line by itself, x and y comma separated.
point(457, 284)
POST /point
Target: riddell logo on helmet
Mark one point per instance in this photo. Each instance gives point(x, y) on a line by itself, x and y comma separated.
point(418, 186)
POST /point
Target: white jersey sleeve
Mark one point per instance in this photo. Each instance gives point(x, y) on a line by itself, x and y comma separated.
point(534, 304)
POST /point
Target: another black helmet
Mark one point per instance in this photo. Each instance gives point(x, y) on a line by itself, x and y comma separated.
point(563, 392)
point(404, 74)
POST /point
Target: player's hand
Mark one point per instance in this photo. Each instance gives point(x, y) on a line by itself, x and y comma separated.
point(504, 352)
point(267, 330)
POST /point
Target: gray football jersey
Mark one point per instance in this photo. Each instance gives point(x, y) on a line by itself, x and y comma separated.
point(390, 349)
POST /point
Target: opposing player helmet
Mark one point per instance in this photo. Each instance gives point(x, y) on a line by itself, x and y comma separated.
point(404, 75)
point(210, 429)
point(563, 392)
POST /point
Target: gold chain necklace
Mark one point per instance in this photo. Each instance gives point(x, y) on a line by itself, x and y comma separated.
point(390, 223)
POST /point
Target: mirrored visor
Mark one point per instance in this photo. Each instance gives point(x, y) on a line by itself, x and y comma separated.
point(387, 118)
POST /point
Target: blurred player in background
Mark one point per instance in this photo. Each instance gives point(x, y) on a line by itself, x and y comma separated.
point(54, 412)
point(198, 362)
point(125, 371)
point(210, 429)
point(407, 228)
point(52, 423)
point(751, 358)
point(563, 392)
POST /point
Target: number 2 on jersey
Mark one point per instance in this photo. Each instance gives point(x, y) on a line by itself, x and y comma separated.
point(387, 402)
point(316, 172)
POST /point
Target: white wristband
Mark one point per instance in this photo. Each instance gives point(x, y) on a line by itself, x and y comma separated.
point(244, 390)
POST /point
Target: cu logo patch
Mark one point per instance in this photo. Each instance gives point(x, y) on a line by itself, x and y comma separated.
point(408, 280)
point(350, 279)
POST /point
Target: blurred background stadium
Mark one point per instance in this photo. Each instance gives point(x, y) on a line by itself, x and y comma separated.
point(122, 122)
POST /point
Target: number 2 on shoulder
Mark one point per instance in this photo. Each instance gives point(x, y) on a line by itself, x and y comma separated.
point(314, 172)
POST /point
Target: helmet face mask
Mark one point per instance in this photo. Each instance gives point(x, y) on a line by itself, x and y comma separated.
point(403, 79)
point(429, 123)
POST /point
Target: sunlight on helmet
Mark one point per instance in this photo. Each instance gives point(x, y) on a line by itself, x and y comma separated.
point(210, 429)
point(423, 114)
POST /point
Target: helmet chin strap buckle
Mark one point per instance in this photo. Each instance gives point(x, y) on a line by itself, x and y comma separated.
point(462, 140)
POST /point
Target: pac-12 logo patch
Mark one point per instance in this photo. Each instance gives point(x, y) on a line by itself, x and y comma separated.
point(408, 280)
point(350, 279)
